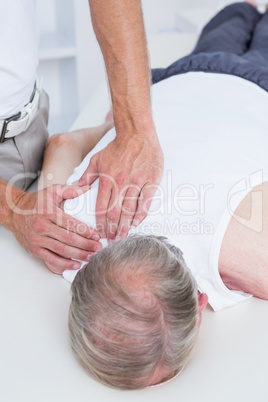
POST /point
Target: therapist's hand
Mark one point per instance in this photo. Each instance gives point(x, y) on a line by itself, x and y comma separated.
point(43, 229)
point(130, 169)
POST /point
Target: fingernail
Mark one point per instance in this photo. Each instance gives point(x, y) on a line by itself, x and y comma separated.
point(98, 247)
point(96, 237)
point(89, 256)
point(136, 222)
point(76, 266)
point(103, 236)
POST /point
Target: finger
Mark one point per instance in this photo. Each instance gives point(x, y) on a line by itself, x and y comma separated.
point(144, 203)
point(69, 192)
point(66, 251)
point(128, 211)
point(109, 116)
point(103, 199)
point(72, 239)
point(71, 224)
point(55, 263)
point(114, 211)
point(91, 173)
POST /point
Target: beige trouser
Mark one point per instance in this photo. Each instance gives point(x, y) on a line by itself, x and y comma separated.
point(21, 157)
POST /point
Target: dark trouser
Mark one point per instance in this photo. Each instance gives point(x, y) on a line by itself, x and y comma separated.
point(234, 42)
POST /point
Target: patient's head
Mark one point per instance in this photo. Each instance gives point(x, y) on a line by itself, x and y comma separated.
point(134, 313)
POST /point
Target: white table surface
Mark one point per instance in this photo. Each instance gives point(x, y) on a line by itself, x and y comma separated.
point(36, 361)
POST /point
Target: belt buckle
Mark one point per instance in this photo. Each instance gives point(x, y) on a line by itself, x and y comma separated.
point(7, 121)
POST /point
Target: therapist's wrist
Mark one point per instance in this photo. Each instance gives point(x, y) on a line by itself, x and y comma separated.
point(139, 126)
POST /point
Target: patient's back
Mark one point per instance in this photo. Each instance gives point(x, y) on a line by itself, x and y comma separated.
point(215, 146)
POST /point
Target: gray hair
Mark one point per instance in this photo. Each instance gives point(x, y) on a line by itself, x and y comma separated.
point(134, 311)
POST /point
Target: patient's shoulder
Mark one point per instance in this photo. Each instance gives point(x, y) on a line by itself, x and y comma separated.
point(243, 262)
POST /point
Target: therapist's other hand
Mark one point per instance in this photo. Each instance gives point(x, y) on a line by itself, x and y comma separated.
point(43, 229)
point(129, 170)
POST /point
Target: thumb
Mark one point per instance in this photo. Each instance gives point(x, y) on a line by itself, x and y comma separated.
point(90, 175)
point(67, 192)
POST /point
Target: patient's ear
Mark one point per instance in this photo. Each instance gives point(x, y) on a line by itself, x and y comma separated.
point(202, 302)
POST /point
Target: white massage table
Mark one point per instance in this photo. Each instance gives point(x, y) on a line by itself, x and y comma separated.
point(36, 361)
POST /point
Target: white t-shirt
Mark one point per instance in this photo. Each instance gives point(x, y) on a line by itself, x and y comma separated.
point(213, 130)
point(19, 54)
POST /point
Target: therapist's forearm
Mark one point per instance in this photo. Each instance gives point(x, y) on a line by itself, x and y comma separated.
point(8, 194)
point(119, 29)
